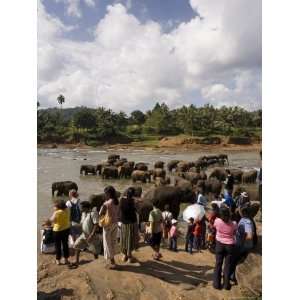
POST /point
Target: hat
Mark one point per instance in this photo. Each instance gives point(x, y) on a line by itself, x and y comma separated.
point(244, 194)
point(173, 221)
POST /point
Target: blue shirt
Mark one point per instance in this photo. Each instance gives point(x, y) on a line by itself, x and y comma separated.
point(228, 201)
point(245, 226)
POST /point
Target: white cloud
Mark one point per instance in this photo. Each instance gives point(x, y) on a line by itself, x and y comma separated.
point(130, 65)
point(73, 6)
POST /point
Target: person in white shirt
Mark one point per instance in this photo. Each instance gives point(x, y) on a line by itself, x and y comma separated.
point(75, 213)
point(201, 199)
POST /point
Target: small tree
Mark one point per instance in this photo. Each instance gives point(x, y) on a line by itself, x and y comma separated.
point(61, 100)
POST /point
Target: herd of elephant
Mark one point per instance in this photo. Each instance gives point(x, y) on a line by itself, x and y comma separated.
point(189, 178)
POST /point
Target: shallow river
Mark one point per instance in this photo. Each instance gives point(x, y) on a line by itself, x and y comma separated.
point(60, 165)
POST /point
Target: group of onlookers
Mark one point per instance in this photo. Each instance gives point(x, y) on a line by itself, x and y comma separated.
point(230, 233)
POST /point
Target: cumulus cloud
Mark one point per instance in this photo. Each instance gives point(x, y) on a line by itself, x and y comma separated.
point(73, 6)
point(129, 64)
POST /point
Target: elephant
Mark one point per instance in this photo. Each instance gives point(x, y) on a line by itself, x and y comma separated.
point(237, 175)
point(208, 157)
point(112, 158)
point(159, 181)
point(211, 162)
point(137, 191)
point(63, 187)
point(224, 157)
point(125, 171)
point(143, 176)
point(162, 195)
point(183, 166)
point(120, 162)
point(97, 200)
point(201, 164)
point(141, 166)
point(194, 170)
point(88, 169)
point(158, 173)
point(130, 164)
point(218, 173)
point(249, 176)
point(172, 165)
point(192, 177)
point(110, 172)
point(211, 185)
point(159, 165)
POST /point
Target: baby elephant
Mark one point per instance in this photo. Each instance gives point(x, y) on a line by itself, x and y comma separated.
point(88, 169)
point(63, 187)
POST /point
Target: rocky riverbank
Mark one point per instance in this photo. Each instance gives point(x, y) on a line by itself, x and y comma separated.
point(178, 276)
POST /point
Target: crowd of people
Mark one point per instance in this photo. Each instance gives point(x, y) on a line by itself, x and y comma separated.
point(227, 229)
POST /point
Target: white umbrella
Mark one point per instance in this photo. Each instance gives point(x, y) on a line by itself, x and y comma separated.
point(195, 211)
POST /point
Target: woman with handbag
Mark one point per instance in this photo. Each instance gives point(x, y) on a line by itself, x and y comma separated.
point(109, 214)
point(128, 219)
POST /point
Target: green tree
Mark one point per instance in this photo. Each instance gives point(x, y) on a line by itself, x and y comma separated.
point(85, 119)
point(137, 117)
point(61, 100)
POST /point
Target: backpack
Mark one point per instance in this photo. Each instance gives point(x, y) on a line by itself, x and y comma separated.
point(75, 212)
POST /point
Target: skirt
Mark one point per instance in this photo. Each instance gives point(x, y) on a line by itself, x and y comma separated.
point(110, 240)
point(128, 238)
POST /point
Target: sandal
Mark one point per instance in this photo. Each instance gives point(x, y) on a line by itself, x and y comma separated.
point(58, 262)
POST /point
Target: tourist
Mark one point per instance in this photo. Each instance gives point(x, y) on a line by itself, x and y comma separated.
point(109, 214)
point(88, 239)
point(156, 220)
point(197, 235)
point(167, 218)
point(189, 237)
point(242, 199)
point(201, 199)
point(228, 200)
point(225, 232)
point(75, 214)
point(213, 213)
point(61, 230)
point(244, 238)
point(47, 244)
point(229, 183)
point(128, 220)
point(173, 236)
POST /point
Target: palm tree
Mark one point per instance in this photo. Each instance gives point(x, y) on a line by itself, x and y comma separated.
point(61, 100)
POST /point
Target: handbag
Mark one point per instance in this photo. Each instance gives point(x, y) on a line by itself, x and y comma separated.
point(105, 220)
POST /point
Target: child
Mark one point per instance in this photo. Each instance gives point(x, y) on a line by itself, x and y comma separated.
point(47, 244)
point(173, 236)
point(211, 231)
point(147, 232)
point(197, 235)
point(189, 238)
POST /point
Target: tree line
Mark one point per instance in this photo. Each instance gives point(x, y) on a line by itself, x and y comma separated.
point(100, 125)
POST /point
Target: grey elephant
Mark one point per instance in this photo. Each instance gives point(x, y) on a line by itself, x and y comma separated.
point(63, 187)
point(159, 164)
point(143, 176)
point(110, 172)
point(249, 176)
point(88, 169)
point(158, 172)
point(218, 173)
point(171, 165)
point(141, 166)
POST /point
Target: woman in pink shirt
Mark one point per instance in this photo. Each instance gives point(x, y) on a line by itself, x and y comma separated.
point(225, 232)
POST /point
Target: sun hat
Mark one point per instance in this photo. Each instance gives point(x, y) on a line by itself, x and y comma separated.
point(174, 221)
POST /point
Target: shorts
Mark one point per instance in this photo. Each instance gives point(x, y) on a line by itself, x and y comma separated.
point(94, 245)
point(155, 239)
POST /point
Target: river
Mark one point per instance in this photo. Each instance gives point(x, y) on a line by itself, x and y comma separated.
point(61, 164)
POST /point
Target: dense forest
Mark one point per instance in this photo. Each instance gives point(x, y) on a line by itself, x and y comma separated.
point(101, 125)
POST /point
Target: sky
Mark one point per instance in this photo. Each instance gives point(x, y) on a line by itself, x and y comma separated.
point(130, 54)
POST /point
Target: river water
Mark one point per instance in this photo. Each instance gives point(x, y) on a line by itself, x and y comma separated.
point(61, 164)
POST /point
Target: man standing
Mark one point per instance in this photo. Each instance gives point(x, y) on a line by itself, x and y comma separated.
point(156, 220)
point(229, 182)
point(89, 237)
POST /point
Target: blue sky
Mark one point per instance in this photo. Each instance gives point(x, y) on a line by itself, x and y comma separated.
point(127, 54)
